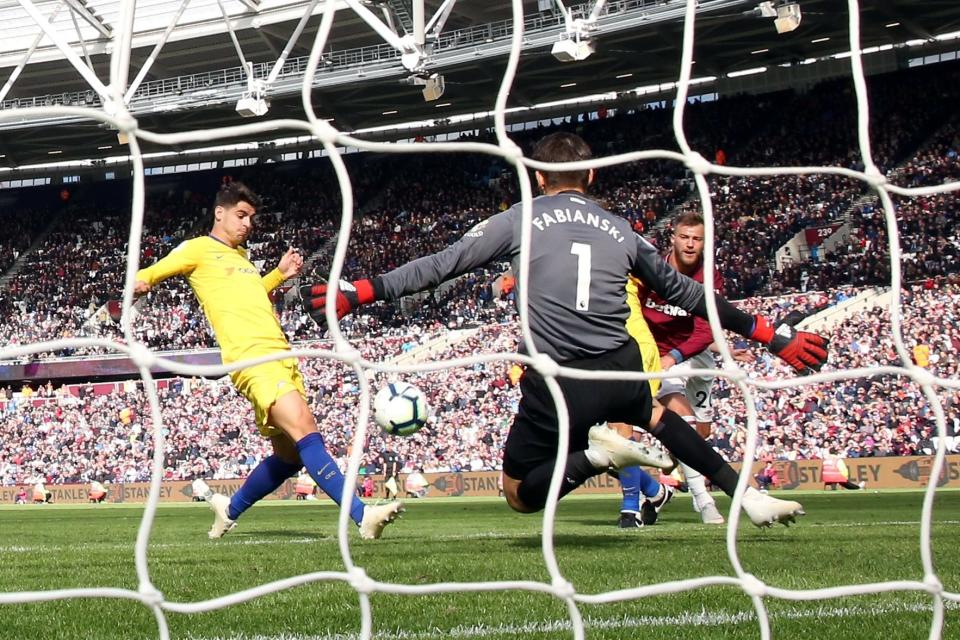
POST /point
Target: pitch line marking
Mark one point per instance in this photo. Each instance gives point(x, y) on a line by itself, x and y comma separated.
point(700, 619)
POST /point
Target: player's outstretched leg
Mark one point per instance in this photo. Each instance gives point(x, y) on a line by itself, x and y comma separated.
point(685, 443)
point(526, 490)
point(324, 470)
point(265, 478)
point(291, 414)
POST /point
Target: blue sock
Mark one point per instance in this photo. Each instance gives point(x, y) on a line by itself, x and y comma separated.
point(633, 482)
point(630, 485)
point(649, 486)
point(325, 472)
point(265, 478)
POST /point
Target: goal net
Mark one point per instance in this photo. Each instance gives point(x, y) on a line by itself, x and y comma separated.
point(114, 113)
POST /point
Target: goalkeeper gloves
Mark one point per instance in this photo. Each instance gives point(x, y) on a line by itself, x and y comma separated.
point(802, 350)
point(350, 295)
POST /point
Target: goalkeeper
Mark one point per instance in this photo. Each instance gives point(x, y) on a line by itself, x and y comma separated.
point(234, 298)
point(581, 257)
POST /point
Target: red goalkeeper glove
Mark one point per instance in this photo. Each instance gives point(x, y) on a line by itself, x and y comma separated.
point(802, 350)
point(350, 295)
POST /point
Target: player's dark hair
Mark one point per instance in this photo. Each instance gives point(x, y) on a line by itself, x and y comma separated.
point(688, 219)
point(563, 147)
point(233, 193)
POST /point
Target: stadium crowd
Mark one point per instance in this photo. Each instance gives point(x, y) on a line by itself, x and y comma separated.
point(927, 226)
point(209, 427)
point(418, 204)
point(415, 205)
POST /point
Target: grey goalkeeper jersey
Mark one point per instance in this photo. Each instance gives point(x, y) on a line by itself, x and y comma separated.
point(581, 256)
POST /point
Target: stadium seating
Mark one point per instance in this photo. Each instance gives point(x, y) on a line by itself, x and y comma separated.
point(419, 204)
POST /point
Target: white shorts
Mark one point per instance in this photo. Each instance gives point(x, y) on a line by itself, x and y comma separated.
point(695, 388)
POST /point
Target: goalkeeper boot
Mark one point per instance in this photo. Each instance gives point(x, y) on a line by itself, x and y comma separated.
point(607, 448)
point(650, 508)
point(630, 520)
point(220, 505)
point(376, 517)
point(763, 510)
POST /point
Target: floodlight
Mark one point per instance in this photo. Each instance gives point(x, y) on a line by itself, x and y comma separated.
point(434, 87)
point(569, 50)
point(785, 14)
point(433, 84)
point(252, 104)
point(788, 17)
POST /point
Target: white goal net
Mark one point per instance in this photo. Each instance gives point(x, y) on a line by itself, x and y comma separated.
point(115, 114)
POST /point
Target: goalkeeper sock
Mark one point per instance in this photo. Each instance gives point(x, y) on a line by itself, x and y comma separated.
point(635, 481)
point(685, 443)
point(325, 472)
point(536, 485)
point(262, 481)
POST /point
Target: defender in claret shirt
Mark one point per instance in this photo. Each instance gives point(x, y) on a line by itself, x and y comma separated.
point(581, 259)
point(684, 342)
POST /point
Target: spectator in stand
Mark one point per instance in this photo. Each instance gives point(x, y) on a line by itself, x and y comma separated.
point(766, 477)
point(97, 493)
point(415, 485)
point(366, 489)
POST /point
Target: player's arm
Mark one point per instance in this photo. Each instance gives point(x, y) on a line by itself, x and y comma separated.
point(290, 265)
point(487, 241)
point(739, 354)
point(800, 349)
point(181, 261)
point(698, 341)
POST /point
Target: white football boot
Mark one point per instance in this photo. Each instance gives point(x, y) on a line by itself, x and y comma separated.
point(220, 504)
point(763, 510)
point(376, 517)
point(709, 514)
point(609, 449)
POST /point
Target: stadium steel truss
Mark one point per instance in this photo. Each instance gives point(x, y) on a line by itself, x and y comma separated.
point(197, 63)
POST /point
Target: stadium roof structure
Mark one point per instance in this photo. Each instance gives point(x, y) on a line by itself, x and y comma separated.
point(192, 60)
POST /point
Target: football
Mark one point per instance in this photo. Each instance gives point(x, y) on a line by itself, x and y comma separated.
point(400, 409)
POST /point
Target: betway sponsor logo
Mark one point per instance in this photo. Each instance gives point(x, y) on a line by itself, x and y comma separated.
point(666, 309)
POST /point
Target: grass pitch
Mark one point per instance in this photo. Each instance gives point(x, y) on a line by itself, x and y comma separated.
point(847, 538)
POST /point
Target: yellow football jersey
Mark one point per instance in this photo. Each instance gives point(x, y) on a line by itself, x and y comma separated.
point(231, 292)
point(640, 332)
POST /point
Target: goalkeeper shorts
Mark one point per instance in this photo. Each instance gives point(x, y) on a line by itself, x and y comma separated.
point(533, 437)
point(264, 384)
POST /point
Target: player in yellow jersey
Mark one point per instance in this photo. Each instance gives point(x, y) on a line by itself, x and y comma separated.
point(234, 297)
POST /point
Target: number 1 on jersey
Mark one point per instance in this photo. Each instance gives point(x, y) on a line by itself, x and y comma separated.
point(582, 251)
